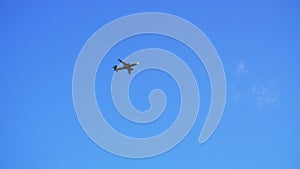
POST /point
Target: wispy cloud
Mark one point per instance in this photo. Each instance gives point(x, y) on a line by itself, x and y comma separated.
point(239, 72)
point(245, 85)
point(266, 93)
point(240, 69)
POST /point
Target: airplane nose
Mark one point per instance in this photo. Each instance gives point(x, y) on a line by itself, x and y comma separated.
point(137, 63)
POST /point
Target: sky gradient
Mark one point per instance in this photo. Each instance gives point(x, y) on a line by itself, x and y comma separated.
point(258, 43)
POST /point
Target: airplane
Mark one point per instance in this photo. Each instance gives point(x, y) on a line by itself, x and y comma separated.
point(128, 66)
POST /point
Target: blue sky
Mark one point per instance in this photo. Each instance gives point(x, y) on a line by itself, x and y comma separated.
point(258, 43)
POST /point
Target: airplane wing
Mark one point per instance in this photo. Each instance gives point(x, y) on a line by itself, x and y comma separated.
point(124, 63)
point(129, 70)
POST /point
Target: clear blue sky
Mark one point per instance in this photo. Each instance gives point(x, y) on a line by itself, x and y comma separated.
point(257, 41)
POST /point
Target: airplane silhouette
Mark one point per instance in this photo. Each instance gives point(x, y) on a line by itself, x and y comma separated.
point(128, 66)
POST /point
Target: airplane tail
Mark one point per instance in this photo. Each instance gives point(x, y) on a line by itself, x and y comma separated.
point(115, 67)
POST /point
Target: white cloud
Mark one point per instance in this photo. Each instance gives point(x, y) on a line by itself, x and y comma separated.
point(266, 94)
point(238, 73)
point(240, 69)
point(263, 92)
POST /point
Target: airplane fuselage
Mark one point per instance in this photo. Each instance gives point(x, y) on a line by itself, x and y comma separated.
point(128, 66)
